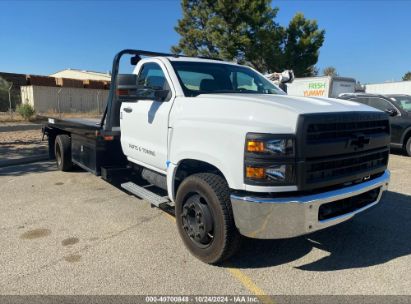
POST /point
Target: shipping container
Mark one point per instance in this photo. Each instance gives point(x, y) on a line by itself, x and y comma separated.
point(64, 99)
point(325, 86)
point(398, 87)
point(37, 80)
point(16, 79)
point(94, 84)
point(69, 82)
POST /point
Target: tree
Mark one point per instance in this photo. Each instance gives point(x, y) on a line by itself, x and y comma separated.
point(4, 95)
point(407, 76)
point(303, 40)
point(330, 71)
point(246, 32)
point(4, 85)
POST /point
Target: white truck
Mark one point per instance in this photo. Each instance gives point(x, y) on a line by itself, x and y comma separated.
point(229, 151)
point(323, 86)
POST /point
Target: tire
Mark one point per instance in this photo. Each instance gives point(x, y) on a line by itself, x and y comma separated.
point(62, 151)
point(51, 142)
point(408, 146)
point(210, 196)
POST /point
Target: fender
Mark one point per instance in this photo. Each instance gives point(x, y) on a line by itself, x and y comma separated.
point(173, 168)
point(404, 134)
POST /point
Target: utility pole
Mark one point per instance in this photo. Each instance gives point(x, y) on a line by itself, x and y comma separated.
point(11, 112)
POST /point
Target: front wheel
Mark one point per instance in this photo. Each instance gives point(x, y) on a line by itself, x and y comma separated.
point(205, 218)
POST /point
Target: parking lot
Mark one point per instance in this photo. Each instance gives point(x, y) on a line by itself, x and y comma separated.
point(73, 233)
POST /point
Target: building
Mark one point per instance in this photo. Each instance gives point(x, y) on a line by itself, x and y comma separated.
point(397, 87)
point(82, 75)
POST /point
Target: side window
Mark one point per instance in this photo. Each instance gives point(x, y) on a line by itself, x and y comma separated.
point(380, 104)
point(152, 77)
point(195, 81)
point(244, 81)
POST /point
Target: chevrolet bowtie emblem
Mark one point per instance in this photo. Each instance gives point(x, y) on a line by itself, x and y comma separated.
point(358, 141)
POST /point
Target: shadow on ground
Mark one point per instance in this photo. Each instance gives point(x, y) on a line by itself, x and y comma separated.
point(21, 149)
point(23, 169)
point(374, 237)
point(13, 127)
point(37, 167)
point(399, 152)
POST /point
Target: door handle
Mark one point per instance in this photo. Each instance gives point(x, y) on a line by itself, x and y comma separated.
point(128, 110)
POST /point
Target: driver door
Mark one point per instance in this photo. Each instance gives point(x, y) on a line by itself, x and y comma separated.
point(144, 122)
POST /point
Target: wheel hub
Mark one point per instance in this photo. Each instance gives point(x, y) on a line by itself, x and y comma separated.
point(197, 220)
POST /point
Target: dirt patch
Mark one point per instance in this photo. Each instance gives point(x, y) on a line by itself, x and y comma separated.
point(72, 258)
point(16, 118)
point(5, 117)
point(35, 234)
point(19, 144)
point(70, 241)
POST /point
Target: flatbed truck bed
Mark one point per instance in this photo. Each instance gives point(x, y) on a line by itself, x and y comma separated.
point(91, 147)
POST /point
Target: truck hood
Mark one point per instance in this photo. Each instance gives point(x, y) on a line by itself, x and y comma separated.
point(260, 112)
point(298, 105)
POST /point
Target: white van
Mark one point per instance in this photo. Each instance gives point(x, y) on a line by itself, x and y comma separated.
point(324, 86)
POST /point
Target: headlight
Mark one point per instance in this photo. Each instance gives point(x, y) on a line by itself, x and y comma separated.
point(273, 146)
point(270, 175)
point(269, 160)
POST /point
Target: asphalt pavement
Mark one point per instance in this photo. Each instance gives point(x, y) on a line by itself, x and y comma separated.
point(73, 233)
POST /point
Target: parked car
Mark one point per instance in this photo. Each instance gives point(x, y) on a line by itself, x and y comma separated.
point(398, 107)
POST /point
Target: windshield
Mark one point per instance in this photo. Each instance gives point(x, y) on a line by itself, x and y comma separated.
point(404, 102)
point(210, 78)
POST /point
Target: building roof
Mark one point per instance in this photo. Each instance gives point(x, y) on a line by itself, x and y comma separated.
point(82, 75)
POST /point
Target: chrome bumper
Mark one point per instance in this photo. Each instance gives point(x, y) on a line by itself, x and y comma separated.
point(285, 217)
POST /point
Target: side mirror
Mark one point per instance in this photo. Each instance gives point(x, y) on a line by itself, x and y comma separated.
point(128, 90)
point(391, 112)
point(126, 87)
point(161, 95)
point(148, 93)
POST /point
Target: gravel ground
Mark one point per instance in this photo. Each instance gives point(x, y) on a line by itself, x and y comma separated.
point(73, 233)
point(21, 140)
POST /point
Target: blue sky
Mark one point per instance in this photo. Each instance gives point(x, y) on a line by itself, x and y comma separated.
point(368, 40)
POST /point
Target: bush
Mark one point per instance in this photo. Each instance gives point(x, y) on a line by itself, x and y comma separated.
point(25, 110)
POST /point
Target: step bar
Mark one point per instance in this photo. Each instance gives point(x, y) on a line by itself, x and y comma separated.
point(147, 195)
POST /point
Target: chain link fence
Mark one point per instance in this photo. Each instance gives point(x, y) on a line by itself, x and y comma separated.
point(65, 99)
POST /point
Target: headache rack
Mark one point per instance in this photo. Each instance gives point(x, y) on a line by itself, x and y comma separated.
point(110, 120)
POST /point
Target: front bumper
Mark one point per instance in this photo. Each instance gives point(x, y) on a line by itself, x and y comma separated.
point(285, 217)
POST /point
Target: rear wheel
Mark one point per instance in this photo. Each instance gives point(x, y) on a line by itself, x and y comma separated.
point(51, 141)
point(62, 151)
point(408, 146)
point(205, 219)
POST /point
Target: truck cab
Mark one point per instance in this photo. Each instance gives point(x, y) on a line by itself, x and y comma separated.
point(231, 152)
